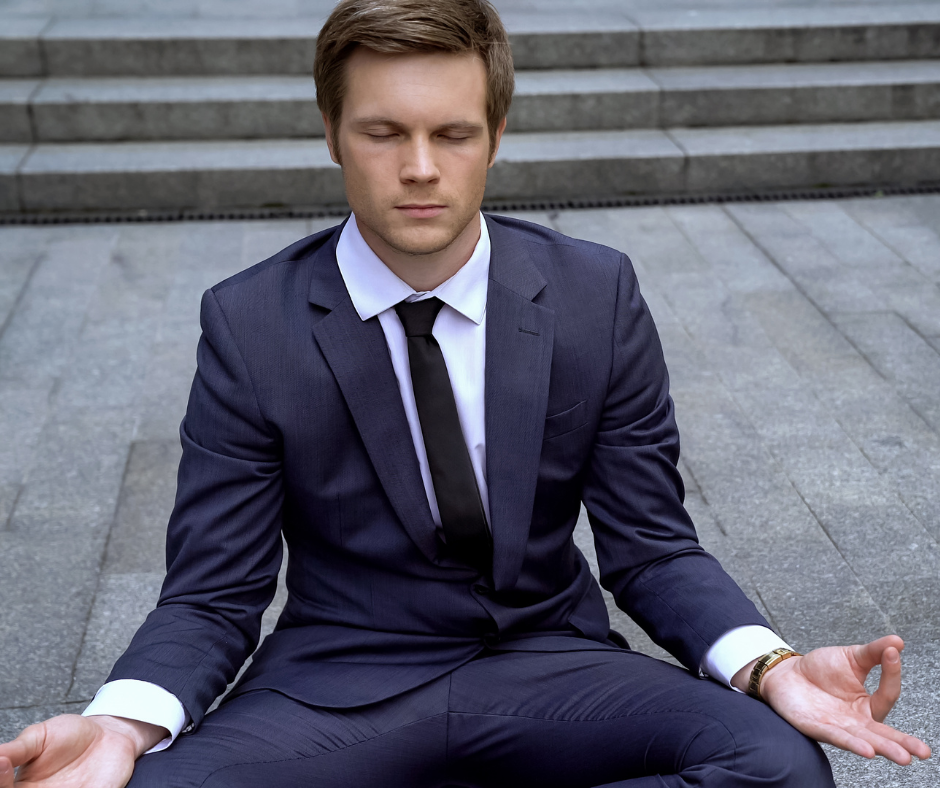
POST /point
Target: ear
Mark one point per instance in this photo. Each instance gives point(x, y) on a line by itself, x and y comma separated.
point(499, 135)
point(328, 127)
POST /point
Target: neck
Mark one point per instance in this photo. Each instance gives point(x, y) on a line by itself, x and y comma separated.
point(424, 272)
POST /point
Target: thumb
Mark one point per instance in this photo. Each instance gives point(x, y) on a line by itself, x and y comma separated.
point(24, 748)
point(889, 685)
point(6, 773)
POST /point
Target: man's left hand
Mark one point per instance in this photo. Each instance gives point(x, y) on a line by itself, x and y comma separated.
point(823, 696)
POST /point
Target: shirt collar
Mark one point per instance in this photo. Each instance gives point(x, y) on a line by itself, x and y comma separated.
point(373, 287)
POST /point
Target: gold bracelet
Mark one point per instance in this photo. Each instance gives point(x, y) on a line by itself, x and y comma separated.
point(764, 664)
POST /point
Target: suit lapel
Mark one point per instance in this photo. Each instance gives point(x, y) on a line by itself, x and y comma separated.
point(519, 336)
point(358, 356)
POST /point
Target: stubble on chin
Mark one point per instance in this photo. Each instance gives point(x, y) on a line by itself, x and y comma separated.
point(413, 239)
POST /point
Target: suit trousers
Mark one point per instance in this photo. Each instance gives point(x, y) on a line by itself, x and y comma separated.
point(513, 719)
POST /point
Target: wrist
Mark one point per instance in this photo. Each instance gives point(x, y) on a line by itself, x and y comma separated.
point(141, 735)
point(775, 677)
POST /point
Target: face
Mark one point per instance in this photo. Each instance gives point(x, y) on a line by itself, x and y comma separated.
point(414, 147)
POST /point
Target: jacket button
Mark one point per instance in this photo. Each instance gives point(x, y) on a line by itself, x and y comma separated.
point(481, 589)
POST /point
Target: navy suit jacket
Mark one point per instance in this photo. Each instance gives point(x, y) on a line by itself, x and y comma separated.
point(295, 426)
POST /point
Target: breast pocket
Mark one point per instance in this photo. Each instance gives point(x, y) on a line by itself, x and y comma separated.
point(565, 421)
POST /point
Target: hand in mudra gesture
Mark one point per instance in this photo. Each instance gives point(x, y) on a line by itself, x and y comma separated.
point(76, 752)
point(823, 695)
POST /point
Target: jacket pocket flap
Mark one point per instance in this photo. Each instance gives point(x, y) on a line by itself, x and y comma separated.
point(566, 421)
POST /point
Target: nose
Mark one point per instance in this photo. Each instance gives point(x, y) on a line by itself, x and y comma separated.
point(419, 165)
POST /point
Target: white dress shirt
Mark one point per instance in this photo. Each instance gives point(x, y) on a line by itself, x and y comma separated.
point(460, 330)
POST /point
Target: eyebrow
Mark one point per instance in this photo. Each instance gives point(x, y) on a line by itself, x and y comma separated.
point(454, 125)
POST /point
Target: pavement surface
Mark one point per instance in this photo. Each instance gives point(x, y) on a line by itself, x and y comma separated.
point(803, 340)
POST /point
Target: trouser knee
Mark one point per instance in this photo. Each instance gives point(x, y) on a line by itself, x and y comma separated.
point(778, 755)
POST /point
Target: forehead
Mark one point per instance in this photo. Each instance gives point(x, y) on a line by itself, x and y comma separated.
point(414, 83)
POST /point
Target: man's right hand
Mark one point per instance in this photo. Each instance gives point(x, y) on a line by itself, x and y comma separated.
point(77, 752)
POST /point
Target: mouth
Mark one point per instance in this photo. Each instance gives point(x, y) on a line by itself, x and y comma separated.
point(419, 211)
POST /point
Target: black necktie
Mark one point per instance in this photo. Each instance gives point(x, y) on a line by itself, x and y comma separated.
point(455, 486)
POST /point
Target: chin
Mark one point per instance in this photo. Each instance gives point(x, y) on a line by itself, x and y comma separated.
point(421, 240)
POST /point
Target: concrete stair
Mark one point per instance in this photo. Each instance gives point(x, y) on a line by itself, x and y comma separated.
point(133, 113)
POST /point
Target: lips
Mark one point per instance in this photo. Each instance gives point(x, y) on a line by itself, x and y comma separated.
point(416, 211)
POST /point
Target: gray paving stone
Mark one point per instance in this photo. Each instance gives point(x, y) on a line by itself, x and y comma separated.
point(800, 93)
point(857, 248)
point(919, 305)
point(166, 46)
point(23, 413)
point(20, 249)
point(897, 224)
point(174, 174)
point(852, 503)
point(571, 164)
point(109, 362)
point(261, 240)
point(243, 107)
point(208, 253)
point(804, 259)
point(73, 483)
point(565, 41)
point(8, 495)
point(799, 576)
point(819, 32)
point(867, 407)
point(586, 99)
point(899, 354)
point(20, 54)
point(43, 328)
point(833, 154)
point(13, 720)
point(47, 587)
point(14, 109)
point(11, 156)
point(742, 266)
point(122, 602)
point(138, 535)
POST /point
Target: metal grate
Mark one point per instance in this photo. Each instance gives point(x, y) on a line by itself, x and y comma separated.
point(495, 206)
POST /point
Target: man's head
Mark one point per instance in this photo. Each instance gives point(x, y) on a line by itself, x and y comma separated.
point(395, 27)
point(414, 95)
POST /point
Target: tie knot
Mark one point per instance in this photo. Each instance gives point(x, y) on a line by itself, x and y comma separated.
point(418, 317)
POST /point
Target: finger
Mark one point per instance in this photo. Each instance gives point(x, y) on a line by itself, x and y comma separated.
point(910, 743)
point(25, 747)
point(890, 747)
point(870, 654)
point(841, 738)
point(889, 685)
point(6, 773)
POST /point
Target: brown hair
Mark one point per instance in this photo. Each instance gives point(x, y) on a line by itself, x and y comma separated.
point(400, 26)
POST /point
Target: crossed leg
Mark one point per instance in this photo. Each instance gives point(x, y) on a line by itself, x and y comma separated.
point(553, 720)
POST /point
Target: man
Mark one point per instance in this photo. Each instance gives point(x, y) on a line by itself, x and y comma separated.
point(419, 400)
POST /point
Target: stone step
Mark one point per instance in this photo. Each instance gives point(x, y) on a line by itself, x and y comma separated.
point(556, 165)
point(168, 46)
point(247, 107)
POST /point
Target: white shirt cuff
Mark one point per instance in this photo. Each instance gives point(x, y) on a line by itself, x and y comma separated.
point(733, 650)
point(142, 701)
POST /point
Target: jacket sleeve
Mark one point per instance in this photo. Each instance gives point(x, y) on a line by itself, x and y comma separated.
point(647, 550)
point(223, 547)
